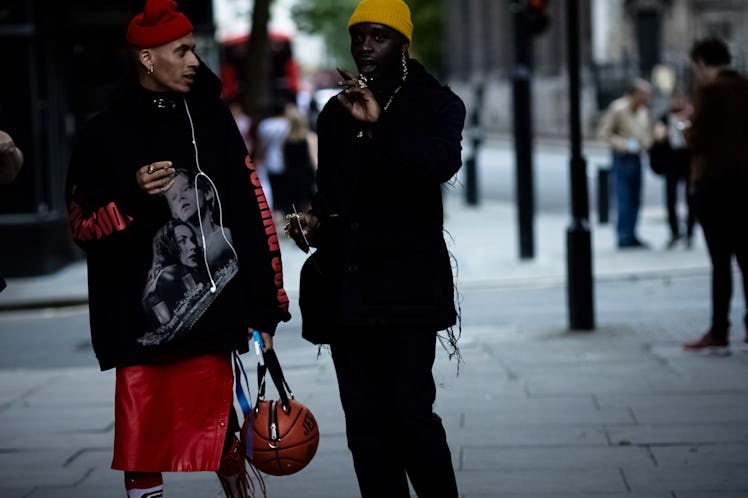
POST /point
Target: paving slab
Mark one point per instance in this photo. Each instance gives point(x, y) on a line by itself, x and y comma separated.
point(502, 482)
point(706, 478)
point(700, 455)
point(683, 434)
point(528, 436)
point(711, 494)
point(544, 411)
point(565, 494)
point(681, 408)
point(559, 457)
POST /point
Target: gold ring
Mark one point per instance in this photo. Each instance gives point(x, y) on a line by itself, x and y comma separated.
point(362, 81)
point(150, 169)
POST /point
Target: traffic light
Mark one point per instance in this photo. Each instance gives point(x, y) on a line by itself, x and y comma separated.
point(537, 16)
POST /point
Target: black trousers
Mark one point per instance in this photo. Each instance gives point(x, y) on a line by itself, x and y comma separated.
point(387, 391)
point(676, 174)
point(722, 210)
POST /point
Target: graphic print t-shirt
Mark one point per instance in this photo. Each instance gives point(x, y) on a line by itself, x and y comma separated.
point(193, 260)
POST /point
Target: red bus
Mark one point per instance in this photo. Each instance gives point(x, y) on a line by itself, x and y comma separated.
point(284, 70)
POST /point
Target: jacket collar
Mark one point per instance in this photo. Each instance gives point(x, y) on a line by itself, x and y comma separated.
point(205, 92)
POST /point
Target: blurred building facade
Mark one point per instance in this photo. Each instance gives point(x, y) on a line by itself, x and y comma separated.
point(620, 40)
point(63, 60)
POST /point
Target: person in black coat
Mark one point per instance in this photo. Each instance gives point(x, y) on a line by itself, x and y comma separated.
point(719, 180)
point(669, 157)
point(183, 260)
point(379, 286)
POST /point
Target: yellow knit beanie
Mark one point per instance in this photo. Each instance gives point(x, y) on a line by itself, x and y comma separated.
point(392, 13)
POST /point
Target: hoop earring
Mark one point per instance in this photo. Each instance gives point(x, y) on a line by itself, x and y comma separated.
point(405, 64)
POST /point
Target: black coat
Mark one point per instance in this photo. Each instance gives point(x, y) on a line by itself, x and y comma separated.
point(146, 307)
point(381, 249)
point(717, 136)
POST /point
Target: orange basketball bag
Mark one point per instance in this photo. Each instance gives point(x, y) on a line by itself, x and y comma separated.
point(284, 434)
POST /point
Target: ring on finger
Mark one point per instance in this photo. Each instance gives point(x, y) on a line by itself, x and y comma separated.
point(150, 169)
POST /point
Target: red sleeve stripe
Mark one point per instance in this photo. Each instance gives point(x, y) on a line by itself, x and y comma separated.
point(271, 234)
point(99, 223)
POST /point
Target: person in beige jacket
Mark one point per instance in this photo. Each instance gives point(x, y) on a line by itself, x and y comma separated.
point(626, 126)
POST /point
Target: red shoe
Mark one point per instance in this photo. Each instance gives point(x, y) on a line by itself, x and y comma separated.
point(707, 341)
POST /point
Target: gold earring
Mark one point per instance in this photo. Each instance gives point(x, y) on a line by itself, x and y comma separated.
point(405, 65)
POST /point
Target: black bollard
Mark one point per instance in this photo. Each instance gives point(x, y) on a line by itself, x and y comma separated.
point(603, 197)
point(476, 140)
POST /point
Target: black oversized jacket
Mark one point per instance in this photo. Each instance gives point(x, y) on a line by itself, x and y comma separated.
point(147, 303)
point(381, 249)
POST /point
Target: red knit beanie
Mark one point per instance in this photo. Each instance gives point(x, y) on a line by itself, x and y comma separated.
point(159, 23)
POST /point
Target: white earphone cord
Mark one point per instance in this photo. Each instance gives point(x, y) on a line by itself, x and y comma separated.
point(200, 173)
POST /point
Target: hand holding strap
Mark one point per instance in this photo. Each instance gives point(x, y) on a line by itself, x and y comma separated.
point(276, 373)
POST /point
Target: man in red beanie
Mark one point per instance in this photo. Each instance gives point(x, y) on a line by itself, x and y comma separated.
point(163, 40)
point(169, 330)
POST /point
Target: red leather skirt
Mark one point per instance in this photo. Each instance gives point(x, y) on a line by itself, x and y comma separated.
point(172, 417)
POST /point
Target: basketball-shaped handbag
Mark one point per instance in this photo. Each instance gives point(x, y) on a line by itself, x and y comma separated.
point(285, 435)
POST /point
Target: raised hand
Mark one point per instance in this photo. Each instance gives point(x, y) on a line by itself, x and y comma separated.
point(357, 98)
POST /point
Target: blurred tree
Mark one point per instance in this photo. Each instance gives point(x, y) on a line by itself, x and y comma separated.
point(257, 70)
point(329, 18)
point(428, 33)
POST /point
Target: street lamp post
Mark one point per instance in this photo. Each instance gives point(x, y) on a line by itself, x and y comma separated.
point(523, 130)
point(578, 236)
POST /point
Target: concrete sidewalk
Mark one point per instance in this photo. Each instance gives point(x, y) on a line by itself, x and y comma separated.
point(536, 411)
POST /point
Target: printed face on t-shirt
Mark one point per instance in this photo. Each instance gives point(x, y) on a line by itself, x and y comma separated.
point(188, 254)
point(181, 198)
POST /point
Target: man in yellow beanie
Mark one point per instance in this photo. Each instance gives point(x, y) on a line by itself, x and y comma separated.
point(392, 13)
point(379, 288)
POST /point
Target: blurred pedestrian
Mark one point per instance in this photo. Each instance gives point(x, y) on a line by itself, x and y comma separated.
point(146, 178)
point(300, 159)
point(243, 122)
point(626, 127)
point(11, 159)
point(271, 134)
point(248, 131)
point(718, 140)
point(669, 157)
point(379, 288)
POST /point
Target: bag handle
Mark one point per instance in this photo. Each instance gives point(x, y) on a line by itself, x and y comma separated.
point(272, 365)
